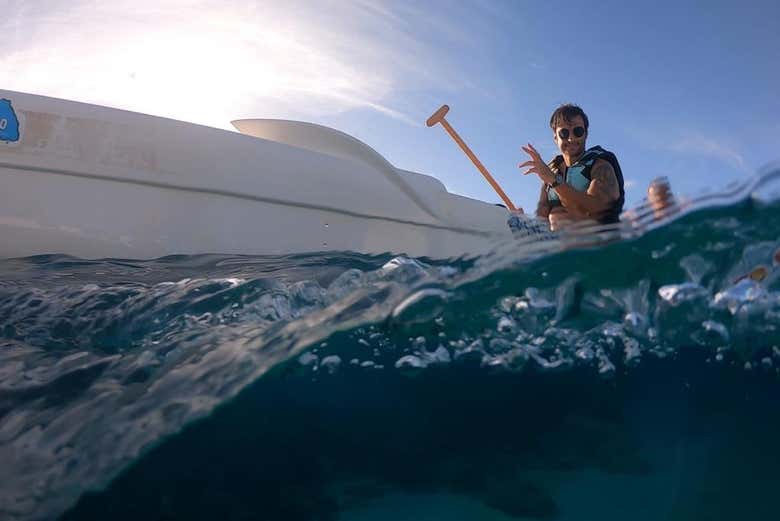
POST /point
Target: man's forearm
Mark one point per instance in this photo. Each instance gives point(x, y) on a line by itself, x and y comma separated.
point(581, 204)
point(543, 206)
point(543, 210)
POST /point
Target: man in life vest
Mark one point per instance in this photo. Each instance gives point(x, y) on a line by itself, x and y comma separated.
point(579, 184)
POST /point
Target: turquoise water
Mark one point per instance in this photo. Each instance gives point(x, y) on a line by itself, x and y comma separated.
point(620, 379)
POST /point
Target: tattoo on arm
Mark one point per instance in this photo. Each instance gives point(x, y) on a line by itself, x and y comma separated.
point(604, 181)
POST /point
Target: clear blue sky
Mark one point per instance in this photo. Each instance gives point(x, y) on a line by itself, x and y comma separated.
point(683, 89)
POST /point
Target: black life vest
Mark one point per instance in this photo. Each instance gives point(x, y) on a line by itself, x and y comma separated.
point(578, 177)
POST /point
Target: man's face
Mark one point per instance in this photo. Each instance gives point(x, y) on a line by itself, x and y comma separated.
point(570, 136)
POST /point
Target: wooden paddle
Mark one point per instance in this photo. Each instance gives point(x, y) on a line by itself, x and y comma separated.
point(438, 117)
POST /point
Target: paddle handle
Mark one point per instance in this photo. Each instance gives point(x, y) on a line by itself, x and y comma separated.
point(438, 117)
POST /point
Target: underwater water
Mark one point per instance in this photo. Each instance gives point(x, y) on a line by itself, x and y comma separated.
point(628, 379)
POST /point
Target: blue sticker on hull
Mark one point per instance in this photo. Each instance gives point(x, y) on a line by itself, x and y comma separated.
point(9, 123)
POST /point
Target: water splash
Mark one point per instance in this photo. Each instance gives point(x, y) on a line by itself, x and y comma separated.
point(100, 360)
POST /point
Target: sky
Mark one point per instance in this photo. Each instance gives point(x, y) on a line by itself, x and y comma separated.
point(689, 90)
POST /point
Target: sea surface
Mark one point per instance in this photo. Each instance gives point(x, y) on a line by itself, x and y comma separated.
point(626, 374)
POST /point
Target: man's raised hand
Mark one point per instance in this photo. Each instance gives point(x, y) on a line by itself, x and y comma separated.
point(536, 165)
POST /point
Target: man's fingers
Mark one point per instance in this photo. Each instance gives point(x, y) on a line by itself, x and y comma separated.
point(531, 150)
point(527, 164)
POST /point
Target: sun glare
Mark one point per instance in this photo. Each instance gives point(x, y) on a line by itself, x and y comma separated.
point(206, 69)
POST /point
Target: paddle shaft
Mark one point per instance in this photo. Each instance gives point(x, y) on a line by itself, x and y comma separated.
point(477, 163)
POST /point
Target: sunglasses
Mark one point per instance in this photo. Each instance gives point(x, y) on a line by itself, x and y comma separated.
point(577, 131)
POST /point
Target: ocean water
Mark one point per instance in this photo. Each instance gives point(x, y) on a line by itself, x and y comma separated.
point(633, 374)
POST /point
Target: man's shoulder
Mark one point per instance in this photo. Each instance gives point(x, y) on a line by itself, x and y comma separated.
point(598, 152)
point(597, 156)
point(602, 163)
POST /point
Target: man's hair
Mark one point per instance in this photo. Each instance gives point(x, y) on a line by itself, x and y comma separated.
point(567, 112)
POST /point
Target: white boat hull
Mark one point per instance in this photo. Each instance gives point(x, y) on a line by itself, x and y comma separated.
point(97, 182)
